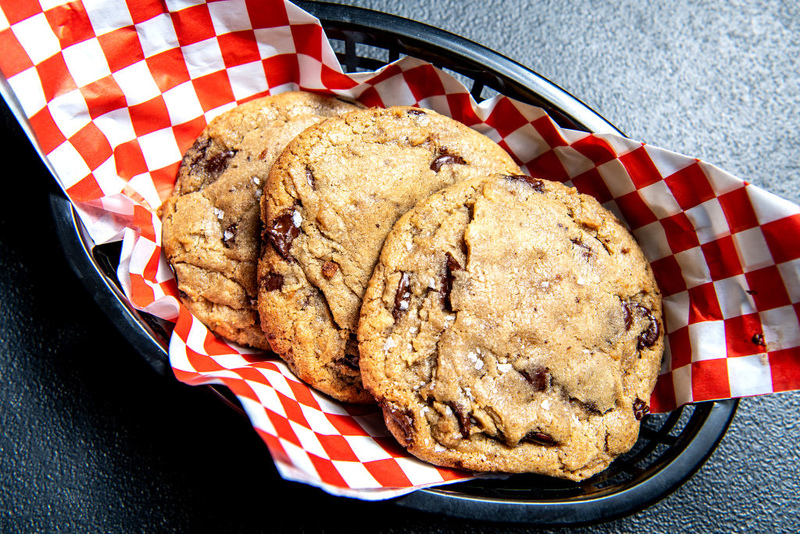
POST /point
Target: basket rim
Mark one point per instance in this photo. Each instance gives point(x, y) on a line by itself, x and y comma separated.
point(717, 415)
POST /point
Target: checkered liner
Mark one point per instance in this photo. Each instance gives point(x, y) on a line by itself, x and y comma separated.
point(115, 93)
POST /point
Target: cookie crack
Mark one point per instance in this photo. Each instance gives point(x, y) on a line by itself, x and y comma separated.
point(224, 274)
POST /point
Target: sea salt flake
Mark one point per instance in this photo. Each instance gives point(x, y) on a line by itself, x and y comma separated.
point(219, 213)
point(390, 344)
point(504, 367)
point(297, 219)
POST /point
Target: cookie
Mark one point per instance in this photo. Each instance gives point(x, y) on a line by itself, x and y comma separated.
point(329, 202)
point(512, 325)
point(211, 223)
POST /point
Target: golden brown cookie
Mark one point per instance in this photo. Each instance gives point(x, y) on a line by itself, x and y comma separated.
point(211, 224)
point(329, 202)
point(512, 325)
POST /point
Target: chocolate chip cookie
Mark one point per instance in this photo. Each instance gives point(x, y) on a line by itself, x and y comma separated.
point(329, 202)
point(512, 325)
point(211, 223)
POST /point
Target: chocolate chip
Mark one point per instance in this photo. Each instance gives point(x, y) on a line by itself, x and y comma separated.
point(640, 409)
point(649, 336)
point(626, 316)
point(272, 281)
point(329, 268)
point(282, 232)
point(539, 438)
point(758, 339)
point(402, 296)
point(310, 179)
point(229, 235)
point(539, 377)
point(416, 111)
point(445, 159)
point(586, 251)
point(463, 417)
point(451, 265)
point(219, 162)
point(403, 421)
point(535, 183)
point(350, 361)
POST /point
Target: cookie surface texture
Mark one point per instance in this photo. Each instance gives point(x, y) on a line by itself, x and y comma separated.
point(512, 325)
point(330, 200)
point(211, 223)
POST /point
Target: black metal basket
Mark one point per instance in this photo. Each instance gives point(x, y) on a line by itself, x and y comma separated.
point(671, 447)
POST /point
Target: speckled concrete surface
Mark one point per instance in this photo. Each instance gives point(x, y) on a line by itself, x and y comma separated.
point(93, 441)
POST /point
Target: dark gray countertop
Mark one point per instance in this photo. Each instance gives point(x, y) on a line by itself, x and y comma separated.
point(93, 440)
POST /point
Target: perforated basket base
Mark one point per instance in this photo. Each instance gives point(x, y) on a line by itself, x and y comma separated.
point(671, 447)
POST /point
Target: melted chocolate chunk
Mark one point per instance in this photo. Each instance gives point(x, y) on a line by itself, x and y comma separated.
point(282, 232)
point(229, 235)
point(535, 183)
point(445, 159)
point(402, 296)
point(649, 336)
point(416, 111)
point(329, 268)
point(640, 409)
point(217, 164)
point(758, 339)
point(272, 281)
point(200, 147)
point(451, 265)
point(463, 416)
point(402, 420)
point(539, 377)
point(539, 437)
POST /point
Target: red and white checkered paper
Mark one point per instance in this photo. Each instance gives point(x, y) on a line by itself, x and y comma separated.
point(115, 92)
